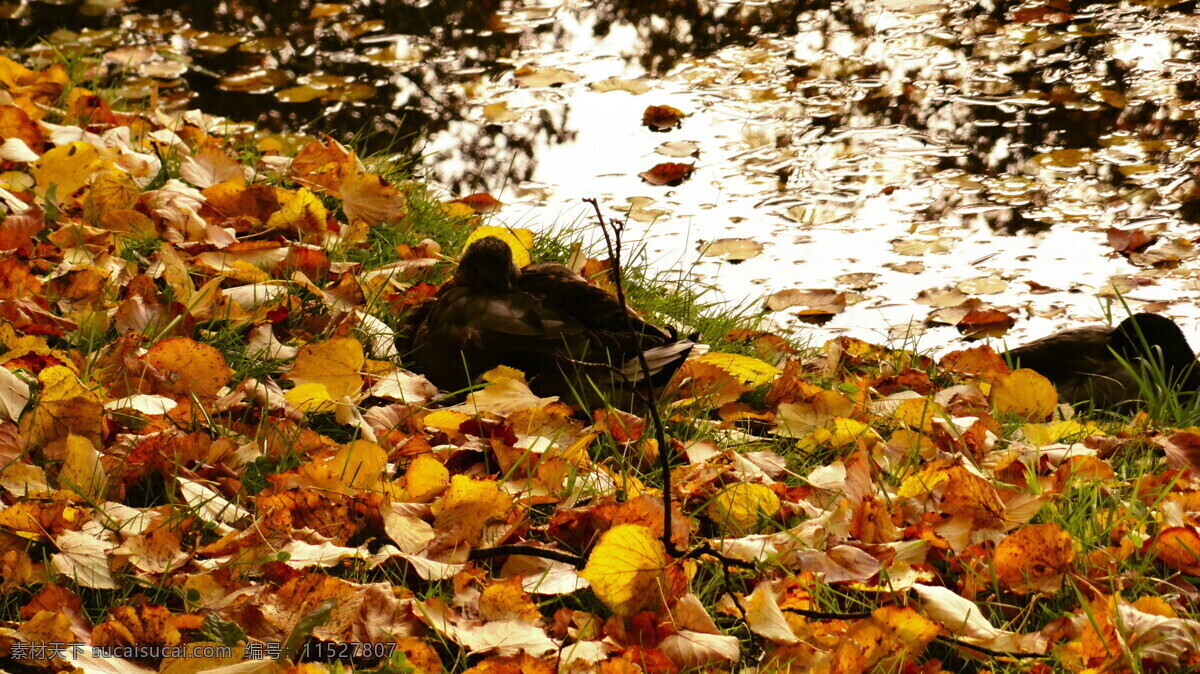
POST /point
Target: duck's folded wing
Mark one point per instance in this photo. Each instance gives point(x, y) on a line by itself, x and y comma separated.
point(484, 317)
point(569, 294)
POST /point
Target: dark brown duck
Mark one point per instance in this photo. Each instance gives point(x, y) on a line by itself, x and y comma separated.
point(1083, 363)
point(570, 338)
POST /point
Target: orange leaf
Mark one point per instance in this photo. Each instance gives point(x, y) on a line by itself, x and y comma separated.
point(668, 173)
point(188, 367)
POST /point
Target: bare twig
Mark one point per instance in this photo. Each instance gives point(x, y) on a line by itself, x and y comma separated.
point(612, 231)
point(527, 550)
point(612, 241)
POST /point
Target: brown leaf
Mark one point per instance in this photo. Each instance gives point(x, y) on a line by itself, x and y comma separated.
point(668, 173)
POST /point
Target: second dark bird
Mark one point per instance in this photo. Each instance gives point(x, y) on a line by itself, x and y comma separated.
point(1084, 366)
point(570, 338)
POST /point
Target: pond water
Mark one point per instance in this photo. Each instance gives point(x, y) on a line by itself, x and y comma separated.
point(887, 169)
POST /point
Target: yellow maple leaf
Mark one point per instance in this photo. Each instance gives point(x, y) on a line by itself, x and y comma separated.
point(64, 406)
point(360, 463)
point(468, 505)
point(738, 508)
point(188, 367)
point(425, 479)
point(81, 471)
point(369, 198)
point(334, 364)
point(302, 213)
point(625, 567)
point(508, 600)
point(310, 398)
point(1024, 393)
point(67, 168)
point(520, 240)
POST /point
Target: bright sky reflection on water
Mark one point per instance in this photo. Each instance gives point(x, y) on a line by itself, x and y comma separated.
point(802, 148)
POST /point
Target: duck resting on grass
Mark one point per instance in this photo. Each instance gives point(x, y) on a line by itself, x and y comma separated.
point(1084, 366)
point(570, 338)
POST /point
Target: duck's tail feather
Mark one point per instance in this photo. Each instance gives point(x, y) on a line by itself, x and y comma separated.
point(663, 361)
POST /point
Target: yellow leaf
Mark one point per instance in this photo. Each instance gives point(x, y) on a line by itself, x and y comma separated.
point(625, 567)
point(334, 363)
point(455, 209)
point(1045, 434)
point(68, 168)
point(303, 212)
point(1034, 558)
point(446, 420)
point(369, 198)
point(502, 372)
point(425, 479)
point(467, 506)
point(310, 398)
point(751, 371)
point(919, 413)
point(360, 463)
point(738, 508)
point(64, 406)
point(846, 431)
point(188, 367)
point(508, 600)
point(519, 240)
point(81, 471)
point(1024, 393)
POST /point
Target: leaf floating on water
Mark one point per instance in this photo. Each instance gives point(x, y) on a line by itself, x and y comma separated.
point(983, 285)
point(732, 250)
point(534, 77)
point(668, 173)
point(1128, 240)
point(985, 322)
point(498, 113)
point(662, 117)
point(916, 247)
point(819, 301)
point(635, 87)
point(678, 149)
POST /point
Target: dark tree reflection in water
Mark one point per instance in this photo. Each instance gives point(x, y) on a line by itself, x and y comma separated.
point(935, 127)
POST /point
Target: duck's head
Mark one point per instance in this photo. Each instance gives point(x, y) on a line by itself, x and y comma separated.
point(487, 264)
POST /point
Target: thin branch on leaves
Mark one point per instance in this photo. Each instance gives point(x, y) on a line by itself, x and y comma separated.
point(613, 230)
point(528, 551)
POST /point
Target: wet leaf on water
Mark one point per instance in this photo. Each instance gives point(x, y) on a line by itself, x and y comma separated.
point(983, 285)
point(534, 77)
point(499, 113)
point(678, 149)
point(254, 81)
point(662, 117)
point(480, 202)
point(1128, 240)
point(985, 322)
point(668, 173)
point(818, 301)
point(732, 250)
point(635, 87)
